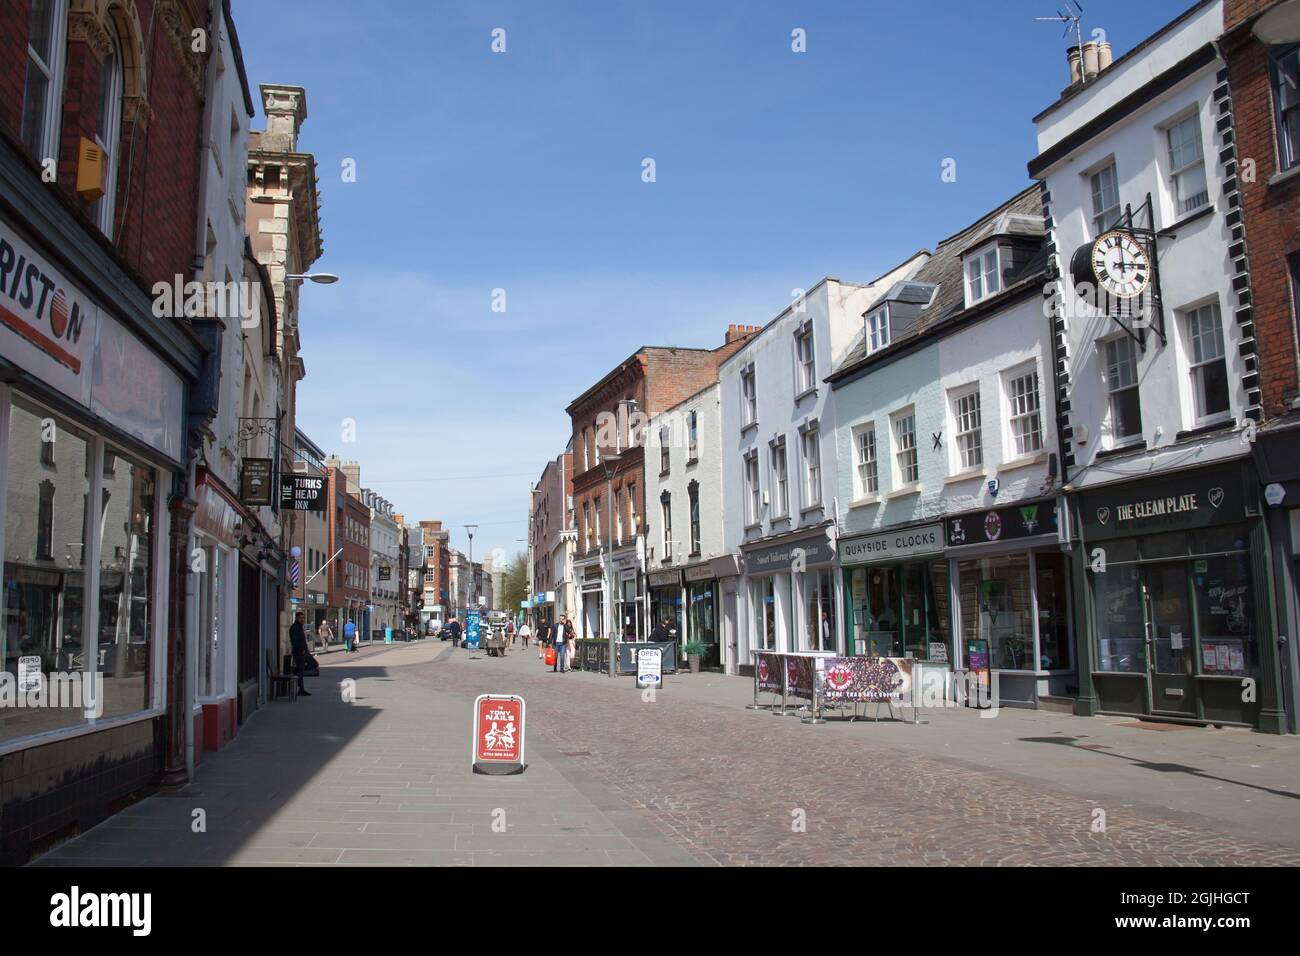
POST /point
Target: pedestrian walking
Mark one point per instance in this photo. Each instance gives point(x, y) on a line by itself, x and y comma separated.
point(298, 644)
point(543, 639)
point(510, 630)
point(325, 633)
point(350, 637)
point(561, 646)
point(525, 632)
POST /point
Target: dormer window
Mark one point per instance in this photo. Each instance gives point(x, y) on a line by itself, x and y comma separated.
point(982, 275)
point(878, 330)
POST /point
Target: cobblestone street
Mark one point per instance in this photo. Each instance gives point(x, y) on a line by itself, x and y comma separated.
point(694, 777)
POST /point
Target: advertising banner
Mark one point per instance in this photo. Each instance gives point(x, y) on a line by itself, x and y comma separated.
point(800, 680)
point(771, 675)
point(866, 680)
point(471, 629)
point(498, 734)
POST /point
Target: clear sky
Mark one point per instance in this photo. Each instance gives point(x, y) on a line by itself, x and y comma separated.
point(522, 171)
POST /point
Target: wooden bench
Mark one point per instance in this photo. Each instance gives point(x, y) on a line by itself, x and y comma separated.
point(286, 681)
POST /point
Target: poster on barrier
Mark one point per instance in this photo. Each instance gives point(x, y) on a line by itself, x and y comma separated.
point(867, 680)
point(771, 676)
point(799, 676)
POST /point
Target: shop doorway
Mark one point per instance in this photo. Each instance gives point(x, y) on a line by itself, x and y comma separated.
point(1167, 602)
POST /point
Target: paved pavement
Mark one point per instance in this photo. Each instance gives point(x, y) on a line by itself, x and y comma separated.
point(693, 777)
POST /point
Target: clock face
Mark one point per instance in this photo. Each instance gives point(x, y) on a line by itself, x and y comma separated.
point(1121, 265)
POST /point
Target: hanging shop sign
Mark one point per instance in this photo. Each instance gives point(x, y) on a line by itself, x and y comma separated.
point(813, 549)
point(1002, 524)
point(498, 734)
point(385, 573)
point(302, 493)
point(1177, 501)
point(255, 482)
point(891, 545)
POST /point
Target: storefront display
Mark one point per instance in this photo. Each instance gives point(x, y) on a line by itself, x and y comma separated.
point(792, 593)
point(1174, 596)
point(665, 589)
point(898, 599)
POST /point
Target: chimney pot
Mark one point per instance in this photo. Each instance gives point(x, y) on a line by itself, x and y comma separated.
point(1090, 59)
point(1075, 58)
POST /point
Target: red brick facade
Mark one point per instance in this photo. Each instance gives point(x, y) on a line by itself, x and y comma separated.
point(162, 111)
point(655, 378)
point(1271, 209)
point(349, 530)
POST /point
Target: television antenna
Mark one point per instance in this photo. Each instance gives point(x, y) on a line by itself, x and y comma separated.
point(1071, 16)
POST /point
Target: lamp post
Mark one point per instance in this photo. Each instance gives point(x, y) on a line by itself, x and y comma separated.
point(469, 590)
point(610, 464)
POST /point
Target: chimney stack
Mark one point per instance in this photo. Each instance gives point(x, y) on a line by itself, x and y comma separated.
point(735, 332)
point(1088, 62)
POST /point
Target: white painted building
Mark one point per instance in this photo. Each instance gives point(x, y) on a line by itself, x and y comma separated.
point(947, 457)
point(686, 558)
point(385, 553)
point(778, 471)
point(1159, 383)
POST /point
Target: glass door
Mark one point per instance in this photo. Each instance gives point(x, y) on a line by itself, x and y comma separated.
point(1170, 638)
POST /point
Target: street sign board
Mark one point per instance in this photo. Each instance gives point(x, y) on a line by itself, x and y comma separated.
point(498, 746)
point(302, 493)
point(471, 630)
point(649, 667)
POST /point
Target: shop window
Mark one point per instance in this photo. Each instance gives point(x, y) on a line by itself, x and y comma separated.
point(44, 595)
point(211, 615)
point(1121, 628)
point(819, 601)
point(1163, 545)
point(126, 564)
point(996, 606)
point(43, 83)
point(1208, 364)
point(1122, 389)
point(763, 594)
point(1285, 68)
point(1223, 615)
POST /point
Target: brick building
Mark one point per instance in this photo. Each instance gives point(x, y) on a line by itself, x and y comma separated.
point(551, 537)
point(99, 190)
point(437, 591)
point(609, 474)
point(1261, 95)
point(349, 585)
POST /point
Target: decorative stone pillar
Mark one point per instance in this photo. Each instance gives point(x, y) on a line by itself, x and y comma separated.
point(174, 773)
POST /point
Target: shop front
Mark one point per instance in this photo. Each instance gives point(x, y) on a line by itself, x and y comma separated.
point(629, 607)
point(664, 590)
point(1013, 605)
point(591, 600)
point(702, 600)
point(1277, 455)
point(791, 592)
point(1179, 603)
point(215, 563)
point(92, 406)
point(898, 602)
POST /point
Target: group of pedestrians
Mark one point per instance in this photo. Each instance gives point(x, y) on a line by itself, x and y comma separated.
point(560, 636)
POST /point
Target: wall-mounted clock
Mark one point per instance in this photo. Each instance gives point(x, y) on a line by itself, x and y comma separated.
point(1116, 263)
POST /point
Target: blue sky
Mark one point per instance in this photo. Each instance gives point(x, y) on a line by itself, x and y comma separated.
point(522, 171)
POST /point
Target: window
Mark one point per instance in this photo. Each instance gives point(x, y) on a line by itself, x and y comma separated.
point(107, 136)
point(763, 602)
point(618, 516)
point(586, 524)
point(693, 490)
point(807, 371)
point(1209, 367)
point(909, 470)
point(812, 468)
point(780, 481)
point(749, 397)
point(819, 595)
point(864, 442)
point(1105, 199)
point(585, 463)
point(664, 457)
point(666, 511)
point(752, 487)
point(1286, 94)
point(631, 511)
point(1187, 165)
point(692, 437)
point(878, 330)
point(1122, 386)
point(1024, 413)
point(966, 423)
point(982, 276)
point(47, 451)
point(595, 508)
point(45, 522)
point(42, 86)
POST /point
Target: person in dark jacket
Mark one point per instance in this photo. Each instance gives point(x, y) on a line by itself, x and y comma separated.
point(298, 644)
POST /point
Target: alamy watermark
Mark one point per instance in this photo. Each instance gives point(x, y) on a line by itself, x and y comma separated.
point(208, 300)
point(57, 690)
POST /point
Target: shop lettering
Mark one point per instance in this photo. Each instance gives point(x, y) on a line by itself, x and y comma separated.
point(1156, 507)
point(25, 283)
point(900, 543)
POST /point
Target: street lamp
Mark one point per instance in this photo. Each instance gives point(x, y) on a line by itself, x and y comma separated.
point(324, 278)
point(469, 591)
point(610, 464)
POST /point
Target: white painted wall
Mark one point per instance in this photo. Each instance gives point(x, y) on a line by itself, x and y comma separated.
point(1194, 269)
point(706, 469)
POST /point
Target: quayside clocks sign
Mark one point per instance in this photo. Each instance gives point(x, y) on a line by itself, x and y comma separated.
point(1179, 501)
